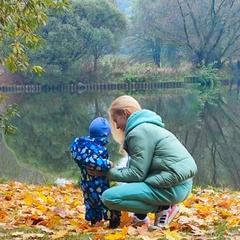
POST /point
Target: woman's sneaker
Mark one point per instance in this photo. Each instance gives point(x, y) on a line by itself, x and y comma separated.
point(140, 222)
point(164, 217)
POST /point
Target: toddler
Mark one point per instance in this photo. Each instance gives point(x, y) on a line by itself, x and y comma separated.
point(90, 152)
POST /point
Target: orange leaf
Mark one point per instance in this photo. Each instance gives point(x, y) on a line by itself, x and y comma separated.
point(125, 219)
point(8, 198)
point(3, 214)
point(226, 204)
point(97, 237)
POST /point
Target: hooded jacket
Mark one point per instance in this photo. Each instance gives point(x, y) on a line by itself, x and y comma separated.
point(157, 156)
point(90, 152)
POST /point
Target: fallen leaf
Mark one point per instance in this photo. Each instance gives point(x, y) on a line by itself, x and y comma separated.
point(49, 208)
point(114, 236)
point(126, 219)
point(172, 235)
point(143, 230)
point(59, 234)
point(32, 236)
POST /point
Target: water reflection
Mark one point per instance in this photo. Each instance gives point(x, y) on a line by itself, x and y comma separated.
point(49, 121)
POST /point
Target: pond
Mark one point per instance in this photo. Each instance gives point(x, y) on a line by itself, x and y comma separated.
point(207, 124)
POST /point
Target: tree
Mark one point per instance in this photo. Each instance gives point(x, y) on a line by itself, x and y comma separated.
point(206, 30)
point(19, 24)
point(146, 42)
point(92, 29)
point(61, 49)
point(103, 27)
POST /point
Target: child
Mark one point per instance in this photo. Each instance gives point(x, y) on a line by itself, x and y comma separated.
point(90, 152)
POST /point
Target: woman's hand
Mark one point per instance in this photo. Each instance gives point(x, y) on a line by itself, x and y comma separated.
point(95, 173)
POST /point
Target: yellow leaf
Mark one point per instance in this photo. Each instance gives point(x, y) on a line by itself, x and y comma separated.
point(60, 234)
point(233, 222)
point(35, 38)
point(124, 230)
point(172, 235)
point(115, 236)
point(28, 199)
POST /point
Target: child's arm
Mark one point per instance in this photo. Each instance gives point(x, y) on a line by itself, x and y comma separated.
point(91, 157)
point(98, 163)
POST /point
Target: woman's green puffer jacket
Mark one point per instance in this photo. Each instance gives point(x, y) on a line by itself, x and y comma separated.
point(157, 156)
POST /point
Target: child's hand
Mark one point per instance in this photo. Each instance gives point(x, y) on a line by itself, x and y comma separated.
point(112, 164)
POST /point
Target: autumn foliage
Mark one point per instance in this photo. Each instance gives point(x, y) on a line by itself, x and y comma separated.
point(58, 212)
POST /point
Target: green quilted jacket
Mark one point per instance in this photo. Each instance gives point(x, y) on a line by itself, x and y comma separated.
point(156, 156)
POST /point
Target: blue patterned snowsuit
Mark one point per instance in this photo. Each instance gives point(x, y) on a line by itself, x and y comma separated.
point(90, 152)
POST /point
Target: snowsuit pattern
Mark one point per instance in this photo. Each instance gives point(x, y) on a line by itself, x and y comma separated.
point(90, 152)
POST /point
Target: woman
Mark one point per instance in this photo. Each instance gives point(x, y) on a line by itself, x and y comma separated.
point(160, 171)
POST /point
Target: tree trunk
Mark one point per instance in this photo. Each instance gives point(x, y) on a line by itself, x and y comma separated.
point(95, 64)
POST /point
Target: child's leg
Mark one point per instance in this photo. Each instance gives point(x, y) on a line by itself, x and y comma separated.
point(95, 209)
point(92, 192)
point(93, 215)
point(115, 219)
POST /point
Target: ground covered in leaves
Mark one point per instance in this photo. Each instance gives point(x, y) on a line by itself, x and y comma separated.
point(57, 212)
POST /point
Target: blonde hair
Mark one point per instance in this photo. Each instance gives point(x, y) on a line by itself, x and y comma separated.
point(124, 102)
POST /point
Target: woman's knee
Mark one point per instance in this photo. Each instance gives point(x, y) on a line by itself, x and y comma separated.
point(110, 198)
point(106, 198)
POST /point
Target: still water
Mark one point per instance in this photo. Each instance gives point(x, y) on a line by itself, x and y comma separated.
point(207, 124)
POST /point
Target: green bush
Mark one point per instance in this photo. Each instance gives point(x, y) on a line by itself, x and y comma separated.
point(139, 78)
point(208, 77)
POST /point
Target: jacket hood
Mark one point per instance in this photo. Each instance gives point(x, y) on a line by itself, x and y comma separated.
point(87, 141)
point(99, 128)
point(143, 116)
